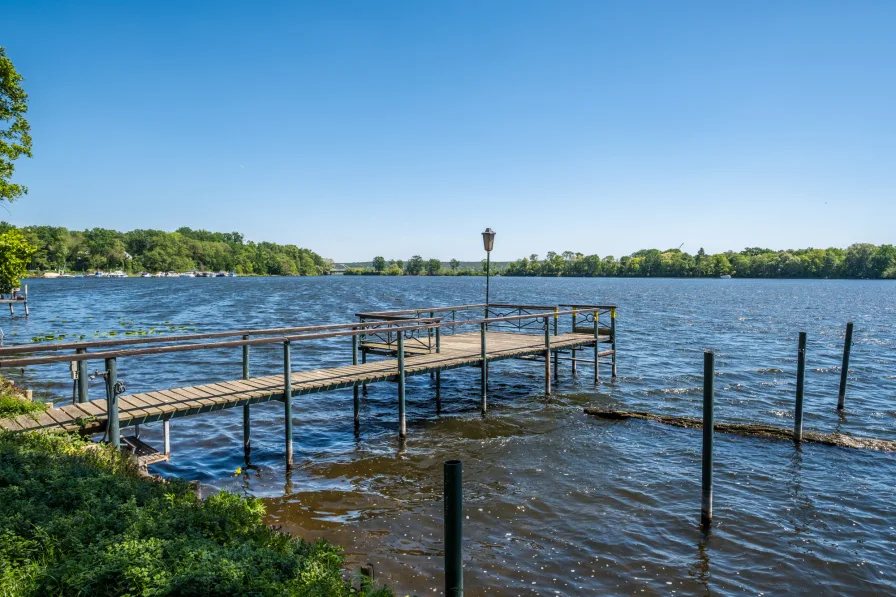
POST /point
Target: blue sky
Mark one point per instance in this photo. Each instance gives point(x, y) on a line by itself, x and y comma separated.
point(399, 128)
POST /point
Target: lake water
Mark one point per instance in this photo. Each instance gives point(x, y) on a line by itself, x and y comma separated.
point(557, 503)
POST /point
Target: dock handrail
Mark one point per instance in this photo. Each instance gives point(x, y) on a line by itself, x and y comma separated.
point(356, 329)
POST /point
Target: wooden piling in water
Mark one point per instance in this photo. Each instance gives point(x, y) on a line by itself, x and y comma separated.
point(800, 387)
point(438, 372)
point(166, 438)
point(402, 424)
point(844, 367)
point(483, 376)
point(453, 518)
point(556, 352)
point(709, 369)
point(573, 368)
point(287, 401)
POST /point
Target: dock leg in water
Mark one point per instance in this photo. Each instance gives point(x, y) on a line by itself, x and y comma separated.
point(547, 358)
point(402, 425)
point(483, 376)
point(166, 438)
point(112, 425)
point(438, 392)
point(247, 444)
point(596, 349)
point(613, 338)
point(355, 389)
point(363, 362)
point(83, 379)
point(287, 401)
point(800, 385)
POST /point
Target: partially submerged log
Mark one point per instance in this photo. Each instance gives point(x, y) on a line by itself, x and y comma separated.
point(765, 431)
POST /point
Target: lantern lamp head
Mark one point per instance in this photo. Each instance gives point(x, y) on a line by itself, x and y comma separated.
point(488, 239)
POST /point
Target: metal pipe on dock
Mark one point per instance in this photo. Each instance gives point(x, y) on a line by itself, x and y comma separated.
point(438, 372)
point(556, 353)
point(844, 367)
point(247, 443)
point(355, 390)
point(483, 377)
point(453, 517)
point(112, 425)
point(573, 368)
point(709, 370)
point(402, 424)
point(613, 338)
point(83, 379)
point(596, 347)
point(547, 357)
point(800, 387)
point(287, 401)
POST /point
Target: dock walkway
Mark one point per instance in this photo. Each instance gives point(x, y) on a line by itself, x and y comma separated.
point(137, 409)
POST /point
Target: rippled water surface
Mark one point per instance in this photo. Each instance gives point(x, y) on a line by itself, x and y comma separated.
point(557, 503)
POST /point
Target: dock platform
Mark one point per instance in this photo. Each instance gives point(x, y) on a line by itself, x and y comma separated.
point(411, 342)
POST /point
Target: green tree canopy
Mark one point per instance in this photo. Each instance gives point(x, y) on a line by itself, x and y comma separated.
point(15, 253)
point(15, 133)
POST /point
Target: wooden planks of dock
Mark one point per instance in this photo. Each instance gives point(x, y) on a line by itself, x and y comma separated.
point(457, 350)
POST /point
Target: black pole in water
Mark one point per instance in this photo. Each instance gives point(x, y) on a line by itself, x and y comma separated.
point(844, 368)
point(454, 531)
point(709, 368)
point(800, 385)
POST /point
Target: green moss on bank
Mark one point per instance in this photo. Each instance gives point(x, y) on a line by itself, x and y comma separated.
point(13, 402)
point(78, 519)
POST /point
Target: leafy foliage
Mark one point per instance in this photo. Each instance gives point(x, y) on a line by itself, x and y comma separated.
point(15, 133)
point(13, 402)
point(858, 261)
point(158, 251)
point(15, 253)
point(78, 519)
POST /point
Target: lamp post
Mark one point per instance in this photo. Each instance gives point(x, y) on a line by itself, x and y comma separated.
point(488, 241)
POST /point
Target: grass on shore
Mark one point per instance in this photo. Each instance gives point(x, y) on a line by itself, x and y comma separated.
point(13, 402)
point(77, 518)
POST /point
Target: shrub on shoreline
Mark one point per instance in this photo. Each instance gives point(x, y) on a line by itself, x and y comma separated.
point(77, 518)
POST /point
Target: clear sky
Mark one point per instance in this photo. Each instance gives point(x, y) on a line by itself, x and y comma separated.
point(399, 128)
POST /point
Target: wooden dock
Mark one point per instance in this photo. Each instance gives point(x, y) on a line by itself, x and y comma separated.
point(412, 343)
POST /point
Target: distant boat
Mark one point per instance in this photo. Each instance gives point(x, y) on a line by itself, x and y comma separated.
point(232, 275)
point(117, 274)
point(99, 274)
point(188, 275)
point(145, 275)
point(725, 277)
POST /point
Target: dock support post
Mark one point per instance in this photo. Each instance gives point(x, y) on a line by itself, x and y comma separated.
point(800, 386)
point(112, 426)
point(573, 349)
point(547, 356)
point(363, 362)
point(83, 379)
point(247, 443)
point(483, 377)
point(287, 401)
point(556, 352)
point(26, 301)
point(355, 390)
point(402, 425)
point(454, 528)
point(844, 368)
point(438, 372)
point(613, 337)
point(709, 369)
point(166, 438)
point(596, 348)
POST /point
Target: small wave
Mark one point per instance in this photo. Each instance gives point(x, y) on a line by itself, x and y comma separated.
point(770, 371)
point(677, 391)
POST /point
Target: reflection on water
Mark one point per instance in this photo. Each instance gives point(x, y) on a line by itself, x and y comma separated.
point(557, 503)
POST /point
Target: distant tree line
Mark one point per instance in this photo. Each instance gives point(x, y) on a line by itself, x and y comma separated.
point(858, 261)
point(415, 266)
point(60, 249)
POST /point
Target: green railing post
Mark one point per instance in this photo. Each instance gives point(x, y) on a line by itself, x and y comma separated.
point(483, 377)
point(800, 386)
point(247, 443)
point(287, 401)
point(597, 347)
point(402, 425)
point(709, 369)
point(83, 379)
point(355, 389)
point(573, 348)
point(547, 356)
point(613, 338)
point(844, 368)
point(112, 425)
point(454, 528)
